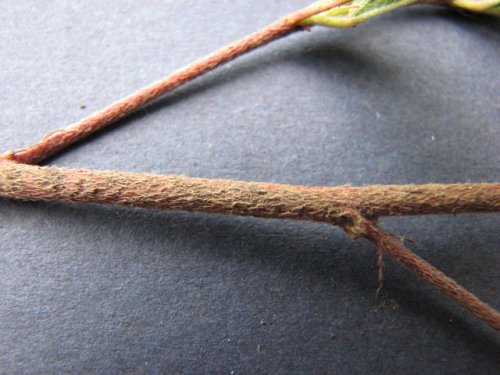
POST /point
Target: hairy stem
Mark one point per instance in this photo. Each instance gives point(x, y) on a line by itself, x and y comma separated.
point(354, 209)
point(60, 139)
point(325, 204)
point(332, 13)
point(343, 206)
point(432, 275)
point(324, 12)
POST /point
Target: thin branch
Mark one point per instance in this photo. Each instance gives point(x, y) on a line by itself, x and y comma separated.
point(324, 204)
point(60, 139)
point(432, 275)
point(324, 12)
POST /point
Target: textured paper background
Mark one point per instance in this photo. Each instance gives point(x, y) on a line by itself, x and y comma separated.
point(412, 97)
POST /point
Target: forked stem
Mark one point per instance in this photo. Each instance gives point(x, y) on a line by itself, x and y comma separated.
point(354, 209)
point(340, 206)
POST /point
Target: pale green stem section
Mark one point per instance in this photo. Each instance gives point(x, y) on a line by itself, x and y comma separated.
point(480, 6)
point(355, 12)
point(358, 11)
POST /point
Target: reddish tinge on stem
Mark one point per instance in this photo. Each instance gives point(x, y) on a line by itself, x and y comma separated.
point(348, 207)
point(432, 275)
point(259, 199)
point(60, 139)
point(343, 206)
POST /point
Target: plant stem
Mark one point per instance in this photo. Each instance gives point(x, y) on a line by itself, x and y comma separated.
point(354, 209)
point(60, 139)
point(325, 204)
point(324, 12)
point(342, 206)
point(432, 275)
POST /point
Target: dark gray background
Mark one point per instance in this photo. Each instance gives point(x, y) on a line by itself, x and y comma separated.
point(412, 97)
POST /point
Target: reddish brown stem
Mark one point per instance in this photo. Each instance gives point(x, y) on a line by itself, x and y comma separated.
point(344, 206)
point(326, 204)
point(60, 139)
point(341, 206)
point(432, 275)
